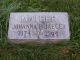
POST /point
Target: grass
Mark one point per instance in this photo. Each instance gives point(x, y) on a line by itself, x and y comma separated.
point(66, 51)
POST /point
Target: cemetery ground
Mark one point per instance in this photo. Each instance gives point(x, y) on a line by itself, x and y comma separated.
point(69, 50)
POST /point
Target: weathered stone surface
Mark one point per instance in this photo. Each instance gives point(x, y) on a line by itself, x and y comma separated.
point(37, 26)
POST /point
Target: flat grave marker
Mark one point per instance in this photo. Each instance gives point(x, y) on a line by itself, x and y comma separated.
point(38, 26)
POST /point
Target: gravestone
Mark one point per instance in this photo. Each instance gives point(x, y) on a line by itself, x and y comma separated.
point(38, 27)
